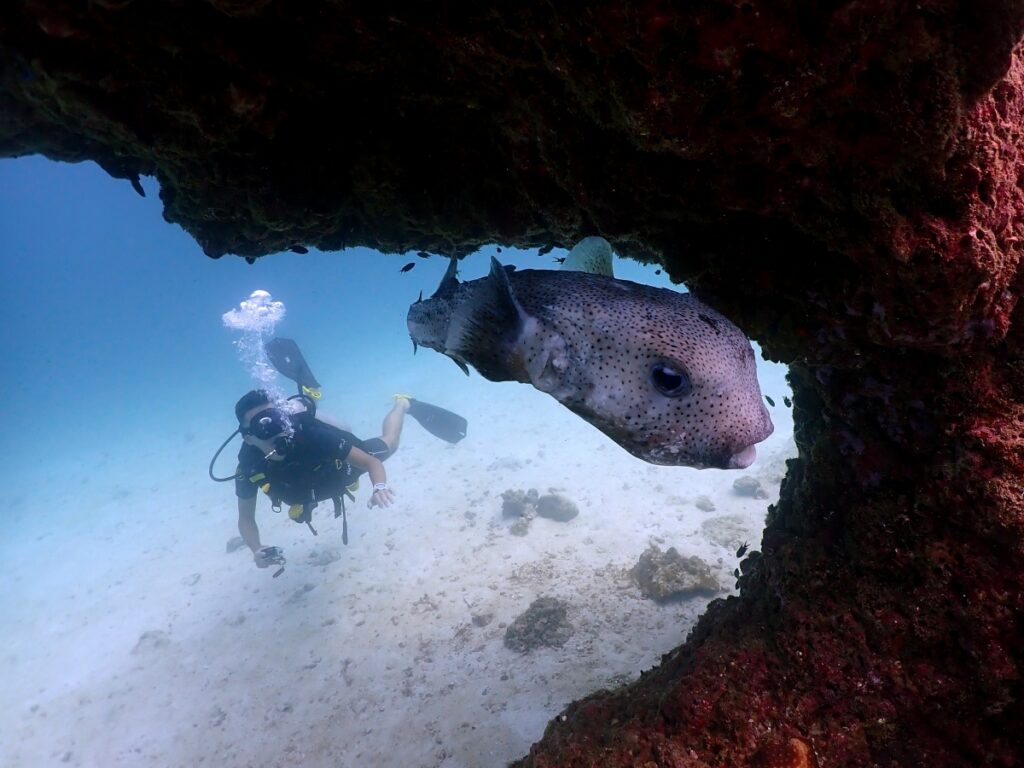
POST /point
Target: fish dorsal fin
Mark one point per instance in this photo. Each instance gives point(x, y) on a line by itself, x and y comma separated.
point(492, 312)
point(450, 279)
point(591, 254)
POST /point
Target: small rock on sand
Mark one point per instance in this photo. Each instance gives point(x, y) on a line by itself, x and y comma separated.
point(543, 623)
point(518, 503)
point(521, 526)
point(668, 575)
point(704, 504)
point(556, 507)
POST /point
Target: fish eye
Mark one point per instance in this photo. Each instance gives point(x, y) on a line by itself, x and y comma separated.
point(669, 381)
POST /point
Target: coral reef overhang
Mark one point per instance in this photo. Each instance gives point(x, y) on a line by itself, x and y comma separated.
point(841, 179)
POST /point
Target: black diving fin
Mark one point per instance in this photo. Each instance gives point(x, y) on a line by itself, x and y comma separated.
point(285, 356)
point(439, 422)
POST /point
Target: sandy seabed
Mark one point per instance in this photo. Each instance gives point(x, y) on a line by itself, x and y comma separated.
point(132, 637)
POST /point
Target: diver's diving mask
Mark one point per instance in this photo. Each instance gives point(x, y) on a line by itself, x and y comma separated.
point(266, 424)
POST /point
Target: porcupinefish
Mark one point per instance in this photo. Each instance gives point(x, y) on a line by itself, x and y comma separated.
point(667, 378)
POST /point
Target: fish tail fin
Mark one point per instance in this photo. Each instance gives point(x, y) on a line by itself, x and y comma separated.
point(591, 254)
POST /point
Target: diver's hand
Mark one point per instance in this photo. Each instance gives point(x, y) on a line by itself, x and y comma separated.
point(264, 557)
point(382, 496)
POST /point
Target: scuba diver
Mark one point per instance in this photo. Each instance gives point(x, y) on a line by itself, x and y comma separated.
point(299, 460)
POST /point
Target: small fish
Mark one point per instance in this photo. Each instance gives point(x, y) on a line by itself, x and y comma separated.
point(408, 266)
point(666, 377)
point(299, 249)
point(559, 259)
point(788, 402)
point(742, 550)
point(770, 401)
point(423, 254)
point(657, 271)
point(545, 249)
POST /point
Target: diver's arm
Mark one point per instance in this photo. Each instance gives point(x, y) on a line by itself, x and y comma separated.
point(247, 527)
point(262, 556)
point(360, 459)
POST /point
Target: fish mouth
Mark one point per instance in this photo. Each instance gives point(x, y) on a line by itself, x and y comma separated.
point(743, 459)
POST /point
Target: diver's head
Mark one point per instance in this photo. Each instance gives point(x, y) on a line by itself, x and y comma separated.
point(264, 425)
point(251, 399)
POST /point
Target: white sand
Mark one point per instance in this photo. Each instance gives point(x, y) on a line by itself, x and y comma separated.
point(372, 659)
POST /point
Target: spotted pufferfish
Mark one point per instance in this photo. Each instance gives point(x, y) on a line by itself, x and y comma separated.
point(666, 377)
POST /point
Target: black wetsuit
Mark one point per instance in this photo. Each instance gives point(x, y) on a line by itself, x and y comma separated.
point(316, 469)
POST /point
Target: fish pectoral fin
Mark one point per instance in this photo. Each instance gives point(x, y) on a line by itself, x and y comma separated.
point(547, 368)
point(490, 314)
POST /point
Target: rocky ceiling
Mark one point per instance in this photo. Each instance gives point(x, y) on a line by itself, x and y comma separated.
point(843, 179)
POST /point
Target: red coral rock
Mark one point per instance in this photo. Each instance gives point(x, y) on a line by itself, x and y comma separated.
point(845, 180)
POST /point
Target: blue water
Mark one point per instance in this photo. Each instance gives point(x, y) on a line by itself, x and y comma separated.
point(118, 383)
point(112, 333)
